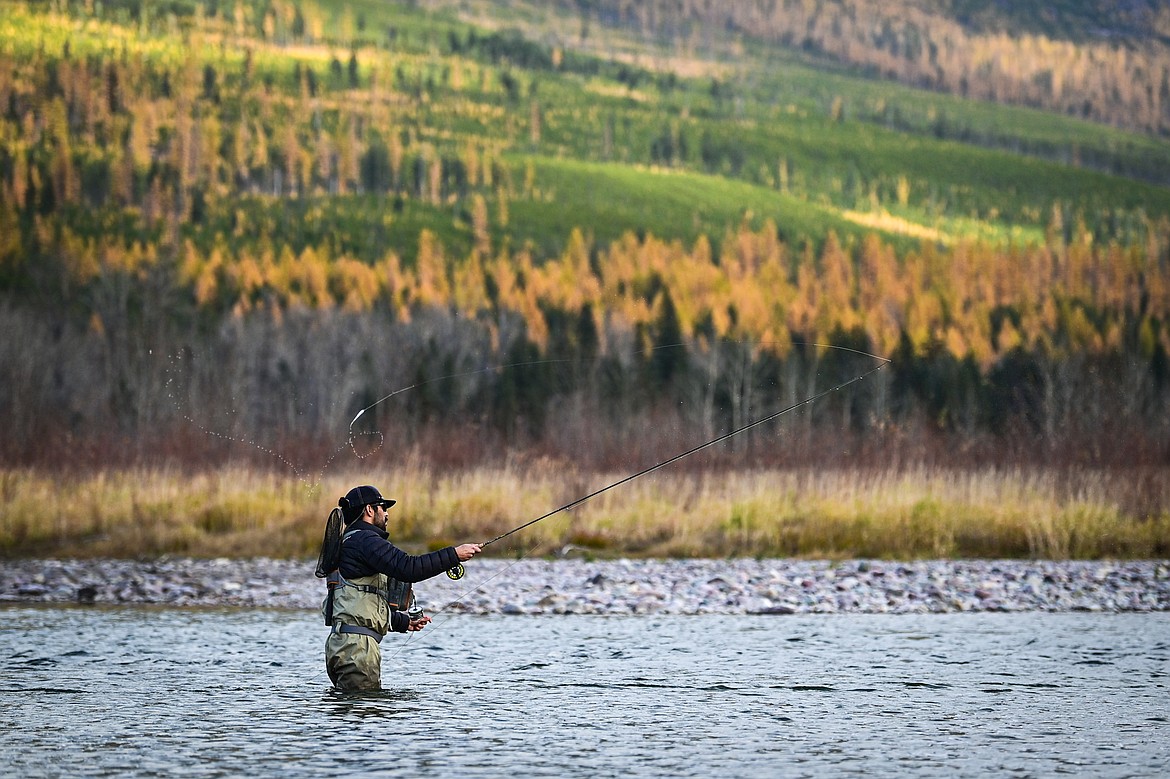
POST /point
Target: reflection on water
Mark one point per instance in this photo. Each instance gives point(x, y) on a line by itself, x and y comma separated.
point(344, 707)
point(142, 692)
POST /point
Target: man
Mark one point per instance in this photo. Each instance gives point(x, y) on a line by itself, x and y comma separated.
point(370, 592)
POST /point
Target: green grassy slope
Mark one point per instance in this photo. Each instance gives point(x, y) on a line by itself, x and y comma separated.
point(674, 146)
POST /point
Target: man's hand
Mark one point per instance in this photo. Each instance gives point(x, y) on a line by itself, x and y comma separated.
point(467, 551)
point(419, 623)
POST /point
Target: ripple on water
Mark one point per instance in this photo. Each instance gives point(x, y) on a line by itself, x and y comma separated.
point(223, 693)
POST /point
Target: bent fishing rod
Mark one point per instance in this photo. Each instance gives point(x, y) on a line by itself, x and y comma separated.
point(456, 572)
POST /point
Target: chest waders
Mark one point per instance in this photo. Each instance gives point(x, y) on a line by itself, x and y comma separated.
point(363, 604)
point(358, 612)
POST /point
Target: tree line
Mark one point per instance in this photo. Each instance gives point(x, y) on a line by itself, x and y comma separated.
point(1039, 346)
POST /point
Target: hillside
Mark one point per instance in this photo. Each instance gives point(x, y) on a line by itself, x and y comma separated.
point(1102, 61)
point(217, 216)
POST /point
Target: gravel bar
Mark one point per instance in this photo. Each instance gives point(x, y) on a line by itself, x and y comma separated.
point(574, 586)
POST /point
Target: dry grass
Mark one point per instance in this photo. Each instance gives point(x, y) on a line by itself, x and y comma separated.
point(1076, 513)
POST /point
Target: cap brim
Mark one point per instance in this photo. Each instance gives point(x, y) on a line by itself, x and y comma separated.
point(387, 502)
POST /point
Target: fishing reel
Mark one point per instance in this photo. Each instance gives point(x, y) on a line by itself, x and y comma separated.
point(455, 572)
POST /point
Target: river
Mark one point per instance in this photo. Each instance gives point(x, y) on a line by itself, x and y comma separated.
point(130, 691)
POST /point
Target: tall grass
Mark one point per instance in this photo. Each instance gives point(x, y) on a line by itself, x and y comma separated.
point(924, 513)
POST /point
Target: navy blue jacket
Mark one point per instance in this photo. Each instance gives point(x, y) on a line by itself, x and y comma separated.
point(368, 551)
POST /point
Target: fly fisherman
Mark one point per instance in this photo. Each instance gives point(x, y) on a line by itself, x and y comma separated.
point(369, 583)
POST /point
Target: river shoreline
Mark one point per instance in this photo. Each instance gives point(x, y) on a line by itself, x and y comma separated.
point(570, 586)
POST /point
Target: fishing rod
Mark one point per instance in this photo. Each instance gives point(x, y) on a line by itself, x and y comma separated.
point(456, 572)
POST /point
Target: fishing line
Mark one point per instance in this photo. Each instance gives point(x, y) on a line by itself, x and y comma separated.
point(457, 570)
point(436, 626)
point(352, 436)
point(882, 363)
point(301, 475)
point(720, 439)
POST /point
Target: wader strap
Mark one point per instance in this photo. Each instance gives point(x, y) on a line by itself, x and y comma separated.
point(340, 628)
point(369, 588)
point(334, 579)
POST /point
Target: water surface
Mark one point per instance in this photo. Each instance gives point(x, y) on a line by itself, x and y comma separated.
point(216, 693)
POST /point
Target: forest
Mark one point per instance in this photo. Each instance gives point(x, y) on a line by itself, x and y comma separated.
point(1100, 61)
point(596, 232)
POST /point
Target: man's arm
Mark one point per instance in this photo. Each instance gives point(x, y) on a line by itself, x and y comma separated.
point(383, 557)
point(399, 622)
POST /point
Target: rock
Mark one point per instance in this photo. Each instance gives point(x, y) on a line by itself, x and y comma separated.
point(780, 608)
point(576, 585)
point(846, 584)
